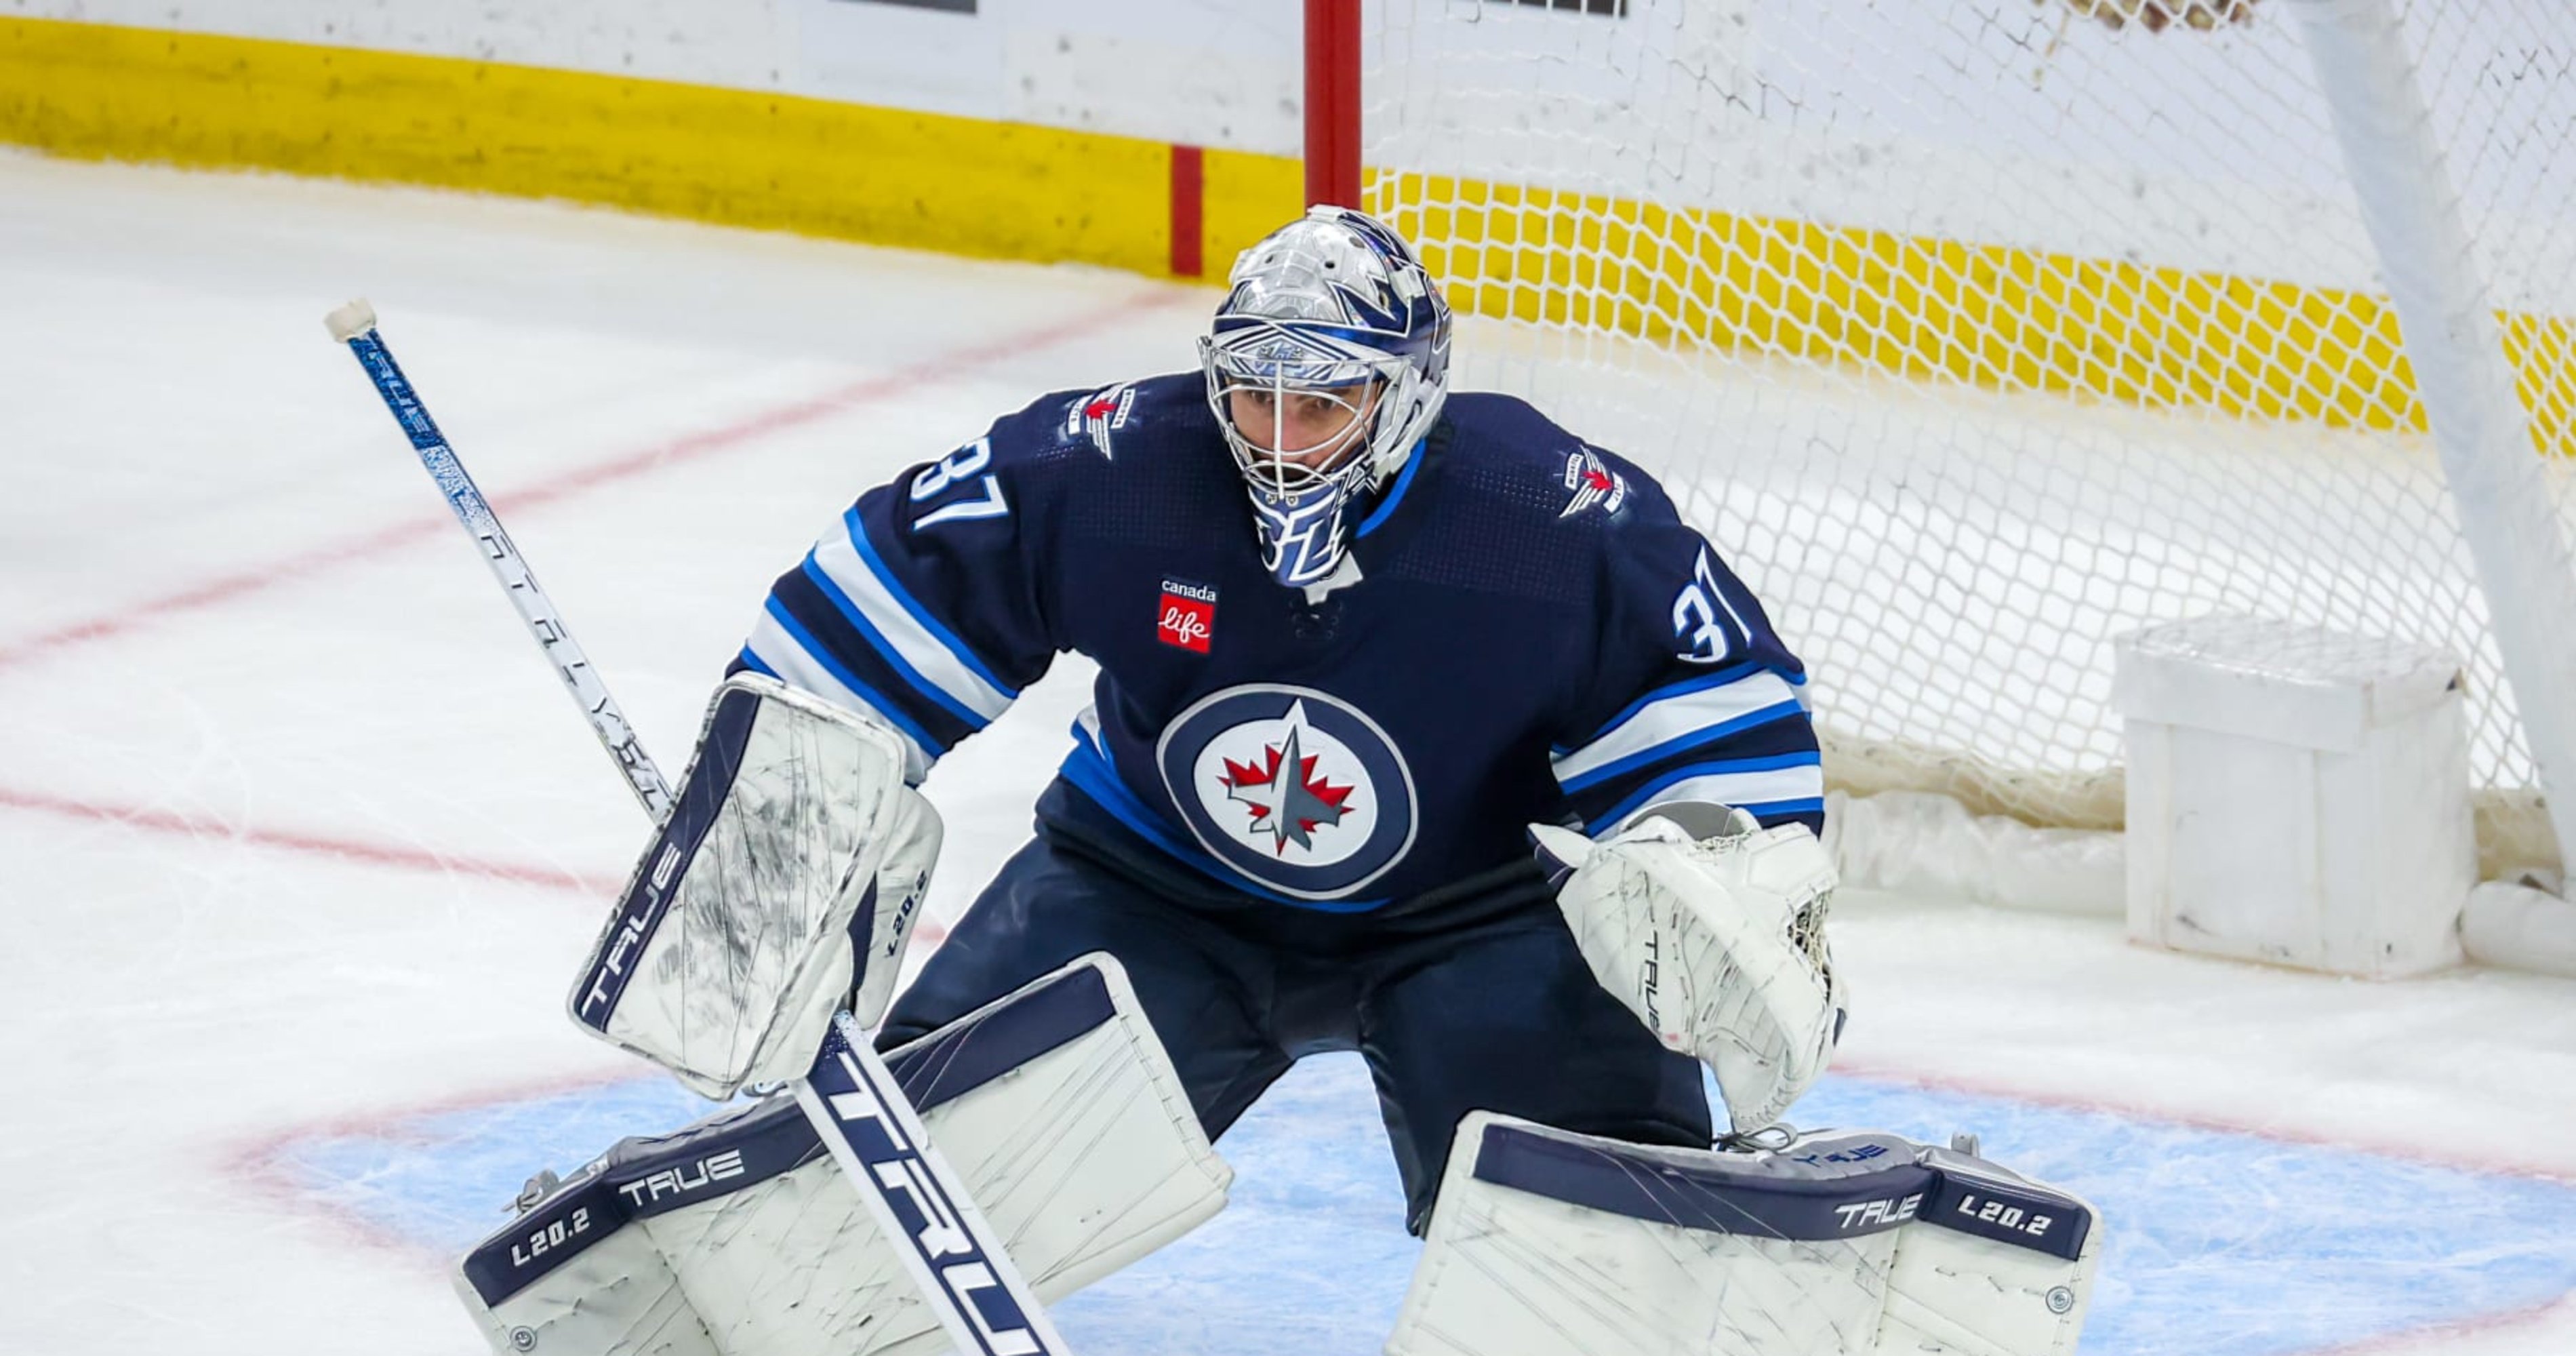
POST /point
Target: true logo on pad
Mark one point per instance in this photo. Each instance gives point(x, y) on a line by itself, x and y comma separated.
point(1188, 615)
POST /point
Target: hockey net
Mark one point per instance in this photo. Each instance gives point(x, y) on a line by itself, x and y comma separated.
point(1979, 332)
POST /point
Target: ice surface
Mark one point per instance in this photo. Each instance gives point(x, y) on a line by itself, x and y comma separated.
point(2219, 1241)
point(303, 846)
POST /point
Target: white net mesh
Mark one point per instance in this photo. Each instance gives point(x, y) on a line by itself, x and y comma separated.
point(1977, 333)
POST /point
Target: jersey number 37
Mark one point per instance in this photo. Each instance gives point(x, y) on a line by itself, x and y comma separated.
point(1705, 620)
point(952, 471)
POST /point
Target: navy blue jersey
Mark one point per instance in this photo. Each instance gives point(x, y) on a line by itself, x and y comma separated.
point(1534, 635)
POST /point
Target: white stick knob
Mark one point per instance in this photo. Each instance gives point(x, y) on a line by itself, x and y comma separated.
point(352, 320)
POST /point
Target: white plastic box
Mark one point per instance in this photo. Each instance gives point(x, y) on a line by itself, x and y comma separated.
point(2296, 796)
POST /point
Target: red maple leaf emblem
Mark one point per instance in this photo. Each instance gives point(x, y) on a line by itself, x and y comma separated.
point(1240, 775)
point(1291, 808)
point(1597, 478)
point(1100, 409)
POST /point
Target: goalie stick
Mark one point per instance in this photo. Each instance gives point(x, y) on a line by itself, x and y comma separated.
point(854, 1103)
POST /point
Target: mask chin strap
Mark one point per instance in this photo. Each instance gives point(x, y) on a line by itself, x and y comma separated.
point(1301, 537)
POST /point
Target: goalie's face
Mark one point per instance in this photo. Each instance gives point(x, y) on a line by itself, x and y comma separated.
point(1304, 447)
point(1292, 431)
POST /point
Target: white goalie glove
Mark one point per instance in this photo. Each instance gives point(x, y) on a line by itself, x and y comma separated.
point(783, 886)
point(1711, 929)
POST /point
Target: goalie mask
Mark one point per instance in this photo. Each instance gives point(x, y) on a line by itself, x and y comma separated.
point(1326, 366)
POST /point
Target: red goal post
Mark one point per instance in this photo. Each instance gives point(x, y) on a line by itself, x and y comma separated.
point(1333, 103)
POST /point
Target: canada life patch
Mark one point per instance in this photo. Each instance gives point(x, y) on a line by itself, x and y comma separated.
point(1293, 788)
point(1187, 615)
point(1592, 483)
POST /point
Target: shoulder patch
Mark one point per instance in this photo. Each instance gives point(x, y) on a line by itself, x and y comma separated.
point(1099, 415)
point(1594, 485)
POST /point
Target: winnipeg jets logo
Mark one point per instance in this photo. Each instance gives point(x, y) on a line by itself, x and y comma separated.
point(1592, 483)
point(1255, 347)
point(1099, 415)
point(1290, 788)
point(1288, 801)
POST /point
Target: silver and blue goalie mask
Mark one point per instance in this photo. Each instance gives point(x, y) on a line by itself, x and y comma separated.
point(1337, 343)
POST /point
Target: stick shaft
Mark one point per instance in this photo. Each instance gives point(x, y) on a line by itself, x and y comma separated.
point(850, 1096)
point(511, 569)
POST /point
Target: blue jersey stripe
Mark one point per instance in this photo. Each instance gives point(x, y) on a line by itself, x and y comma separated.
point(885, 649)
point(1771, 810)
point(1701, 683)
point(826, 627)
point(1403, 480)
point(1700, 737)
point(894, 588)
point(1672, 777)
point(893, 714)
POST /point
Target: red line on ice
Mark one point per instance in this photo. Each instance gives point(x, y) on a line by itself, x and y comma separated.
point(598, 886)
point(311, 844)
point(2445, 1335)
point(678, 451)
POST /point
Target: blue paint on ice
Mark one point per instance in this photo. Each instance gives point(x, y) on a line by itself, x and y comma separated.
point(2218, 1244)
point(2233, 1245)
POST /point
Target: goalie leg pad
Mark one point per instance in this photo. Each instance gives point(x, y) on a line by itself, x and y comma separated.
point(740, 1235)
point(791, 870)
point(1549, 1243)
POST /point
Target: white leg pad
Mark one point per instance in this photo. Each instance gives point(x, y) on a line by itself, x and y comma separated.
point(1548, 1243)
point(1056, 1106)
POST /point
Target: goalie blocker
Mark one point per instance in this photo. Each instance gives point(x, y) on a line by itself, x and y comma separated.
point(1549, 1243)
point(782, 887)
point(741, 1235)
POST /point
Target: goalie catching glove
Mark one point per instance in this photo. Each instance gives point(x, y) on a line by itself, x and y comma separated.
point(1711, 929)
point(783, 887)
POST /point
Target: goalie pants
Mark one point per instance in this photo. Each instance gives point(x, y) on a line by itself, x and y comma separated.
point(1497, 1013)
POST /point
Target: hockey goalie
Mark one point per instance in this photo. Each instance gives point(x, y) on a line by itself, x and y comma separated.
point(1361, 642)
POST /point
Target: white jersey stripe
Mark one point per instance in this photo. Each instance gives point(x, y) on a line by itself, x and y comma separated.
point(926, 654)
point(1086, 727)
point(1745, 790)
point(1661, 727)
point(791, 663)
